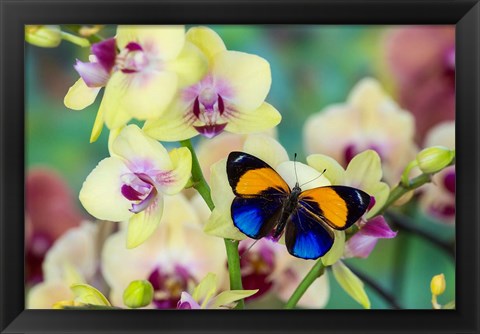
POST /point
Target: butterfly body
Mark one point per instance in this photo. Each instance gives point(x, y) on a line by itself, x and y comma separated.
point(265, 205)
point(290, 204)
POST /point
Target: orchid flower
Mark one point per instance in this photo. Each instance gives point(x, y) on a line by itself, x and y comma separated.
point(50, 212)
point(370, 119)
point(205, 295)
point(230, 97)
point(140, 79)
point(422, 61)
point(130, 185)
point(178, 255)
point(363, 172)
point(71, 260)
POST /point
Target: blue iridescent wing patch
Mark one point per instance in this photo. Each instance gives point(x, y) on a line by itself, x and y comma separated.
point(256, 216)
point(306, 236)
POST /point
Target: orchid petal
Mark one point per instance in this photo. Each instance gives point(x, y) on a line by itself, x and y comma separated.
point(333, 170)
point(363, 242)
point(297, 172)
point(220, 224)
point(100, 194)
point(380, 192)
point(190, 66)
point(116, 257)
point(205, 290)
point(187, 302)
point(364, 170)
point(98, 124)
point(227, 297)
point(89, 295)
point(105, 53)
point(336, 252)
point(265, 148)
point(207, 40)
point(321, 131)
point(220, 221)
point(72, 256)
point(164, 41)
point(181, 159)
point(143, 224)
point(248, 76)
point(44, 295)
point(93, 74)
point(173, 125)
point(352, 285)
point(140, 95)
point(80, 96)
point(254, 120)
point(140, 152)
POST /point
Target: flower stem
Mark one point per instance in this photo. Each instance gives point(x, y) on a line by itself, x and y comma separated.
point(317, 270)
point(404, 186)
point(231, 246)
point(80, 41)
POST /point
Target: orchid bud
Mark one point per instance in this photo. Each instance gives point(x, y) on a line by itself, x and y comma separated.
point(435, 158)
point(45, 36)
point(138, 294)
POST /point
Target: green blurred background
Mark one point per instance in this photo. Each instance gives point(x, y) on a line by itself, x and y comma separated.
point(312, 67)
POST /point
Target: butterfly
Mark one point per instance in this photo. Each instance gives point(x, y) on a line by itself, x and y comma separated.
point(265, 205)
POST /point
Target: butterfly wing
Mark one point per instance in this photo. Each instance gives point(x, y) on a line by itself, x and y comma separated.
point(306, 236)
point(256, 216)
point(260, 194)
point(249, 177)
point(338, 206)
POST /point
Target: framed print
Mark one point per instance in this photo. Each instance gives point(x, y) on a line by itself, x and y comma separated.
point(241, 166)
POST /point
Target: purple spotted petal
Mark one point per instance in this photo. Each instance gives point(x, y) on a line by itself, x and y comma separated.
point(93, 74)
point(210, 131)
point(363, 242)
point(106, 53)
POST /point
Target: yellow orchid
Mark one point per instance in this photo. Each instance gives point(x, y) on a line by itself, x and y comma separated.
point(129, 185)
point(140, 79)
point(364, 172)
point(71, 260)
point(176, 256)
point(369, 119)
point(205, 296)
point(230, 97)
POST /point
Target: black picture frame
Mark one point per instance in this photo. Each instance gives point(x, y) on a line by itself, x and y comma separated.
point(465, 14)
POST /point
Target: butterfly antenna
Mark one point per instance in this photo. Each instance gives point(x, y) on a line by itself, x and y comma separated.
point(295, 166)
point(250, 247)
point(314, 178)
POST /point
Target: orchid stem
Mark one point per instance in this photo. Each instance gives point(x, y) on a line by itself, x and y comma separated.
point(405, 186)
point(80, 41)
point(317, 270)
point(231, 246)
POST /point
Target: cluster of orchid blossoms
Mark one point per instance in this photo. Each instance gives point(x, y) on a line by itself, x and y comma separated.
point(168, 249)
